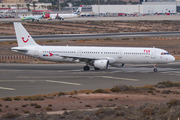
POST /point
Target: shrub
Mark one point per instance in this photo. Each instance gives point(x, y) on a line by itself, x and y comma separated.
point(107, 39)
point(173, 102)
point(0, 110)
point(50, 105)
point(64, 109)
point(110, 99)
point(37, 106)
point(100, 111)
point(23, 105)
point(100, 91)
point(116, 98)
point(34, 98)
point(33, 104)
point(115, 89)
point(163, 111)
point(16, 109)
point(25, 111)
point(48, 109)
point(167, 84)
point(150, 91)
point(119, 113)
point(0, 105)
point(119, 88)
point(10, 115)
point(165, 91)
point(87, 105)
point(25, 99)
point(75, 92)
point(61, 93)
point(148, 111)
point(99, 105)
point(7, 99)
point(16, 98)
point(6, 106)
point(87, 93)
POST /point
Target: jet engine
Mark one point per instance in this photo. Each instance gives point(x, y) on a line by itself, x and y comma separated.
point(101, 64)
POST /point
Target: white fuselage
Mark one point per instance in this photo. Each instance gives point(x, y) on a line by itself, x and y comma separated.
point(112, 54)
point(53, 16)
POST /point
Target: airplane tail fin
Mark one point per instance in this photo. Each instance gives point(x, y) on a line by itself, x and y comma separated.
point(22, 36)
point(43, 15)
point(44, 12)
point(78, 11)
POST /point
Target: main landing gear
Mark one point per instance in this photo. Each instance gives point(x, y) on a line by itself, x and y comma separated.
point(155, 69)
point(86, 68)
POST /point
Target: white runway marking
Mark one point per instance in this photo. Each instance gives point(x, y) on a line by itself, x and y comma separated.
point(120, 78)
point(63, 82)
point(7, 88)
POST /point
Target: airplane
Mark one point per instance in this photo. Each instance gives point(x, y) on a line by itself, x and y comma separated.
point(62, 16)
point(33, 17)
point(99, 57)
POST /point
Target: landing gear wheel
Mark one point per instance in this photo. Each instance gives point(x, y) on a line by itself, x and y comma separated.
point(86, 68)
point(96, 68)
point(155, 70)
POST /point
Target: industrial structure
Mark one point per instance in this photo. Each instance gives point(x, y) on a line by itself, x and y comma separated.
point(144, 8)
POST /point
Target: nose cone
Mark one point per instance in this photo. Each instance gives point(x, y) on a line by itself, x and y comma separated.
point(172, 58)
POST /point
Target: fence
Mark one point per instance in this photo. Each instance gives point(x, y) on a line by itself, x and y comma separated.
point(173, 50)
point(14, 57)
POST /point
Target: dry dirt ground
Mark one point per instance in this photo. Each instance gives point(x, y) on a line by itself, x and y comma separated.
point(64, 27)
point(58, 103)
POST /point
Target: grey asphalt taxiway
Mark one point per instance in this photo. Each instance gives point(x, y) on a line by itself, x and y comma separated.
point(32, 79)
point(66, 37)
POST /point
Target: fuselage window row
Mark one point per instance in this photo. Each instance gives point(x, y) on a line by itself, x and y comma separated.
point(82, 52)
point(138, 53)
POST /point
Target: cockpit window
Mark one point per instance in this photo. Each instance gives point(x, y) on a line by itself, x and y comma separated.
point(164, 53)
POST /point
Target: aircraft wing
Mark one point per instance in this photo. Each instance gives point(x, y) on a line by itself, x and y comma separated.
point(81, 58)
point(84, 58)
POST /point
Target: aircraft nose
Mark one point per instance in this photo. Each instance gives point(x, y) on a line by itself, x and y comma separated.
point(172, 59)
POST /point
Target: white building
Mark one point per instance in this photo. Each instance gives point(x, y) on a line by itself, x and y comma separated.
point(144, 8)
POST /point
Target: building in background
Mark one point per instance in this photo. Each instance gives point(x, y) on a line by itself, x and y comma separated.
point(144, 8)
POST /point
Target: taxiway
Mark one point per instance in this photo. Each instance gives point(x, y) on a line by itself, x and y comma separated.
point(32, 79)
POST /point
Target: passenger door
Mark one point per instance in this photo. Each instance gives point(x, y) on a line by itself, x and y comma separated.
point(153, 54)
point(120, 54)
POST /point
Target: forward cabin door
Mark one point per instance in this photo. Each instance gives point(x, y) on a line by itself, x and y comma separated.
point(78, 52)
point(120, 54)
point(153, 54)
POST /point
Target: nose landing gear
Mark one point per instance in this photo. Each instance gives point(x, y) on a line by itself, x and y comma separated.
point(155, 69)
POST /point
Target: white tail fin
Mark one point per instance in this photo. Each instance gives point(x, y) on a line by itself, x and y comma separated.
point(78, 11)
point(22, 36)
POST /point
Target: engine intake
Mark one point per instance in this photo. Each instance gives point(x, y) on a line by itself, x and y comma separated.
point(101, 64)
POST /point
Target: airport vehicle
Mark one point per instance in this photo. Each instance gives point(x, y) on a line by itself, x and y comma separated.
point(33, 17)
point(99, 57)
point(62, 16)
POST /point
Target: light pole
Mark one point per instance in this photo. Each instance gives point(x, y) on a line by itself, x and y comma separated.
point(99, 7)
point(59, 6)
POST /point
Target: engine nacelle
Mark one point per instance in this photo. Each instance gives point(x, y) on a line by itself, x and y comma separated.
point(101, 64)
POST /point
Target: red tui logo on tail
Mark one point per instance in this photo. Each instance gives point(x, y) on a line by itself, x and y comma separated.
point(25, 41)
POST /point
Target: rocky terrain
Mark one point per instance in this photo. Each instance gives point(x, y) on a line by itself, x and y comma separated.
point(161, 101)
